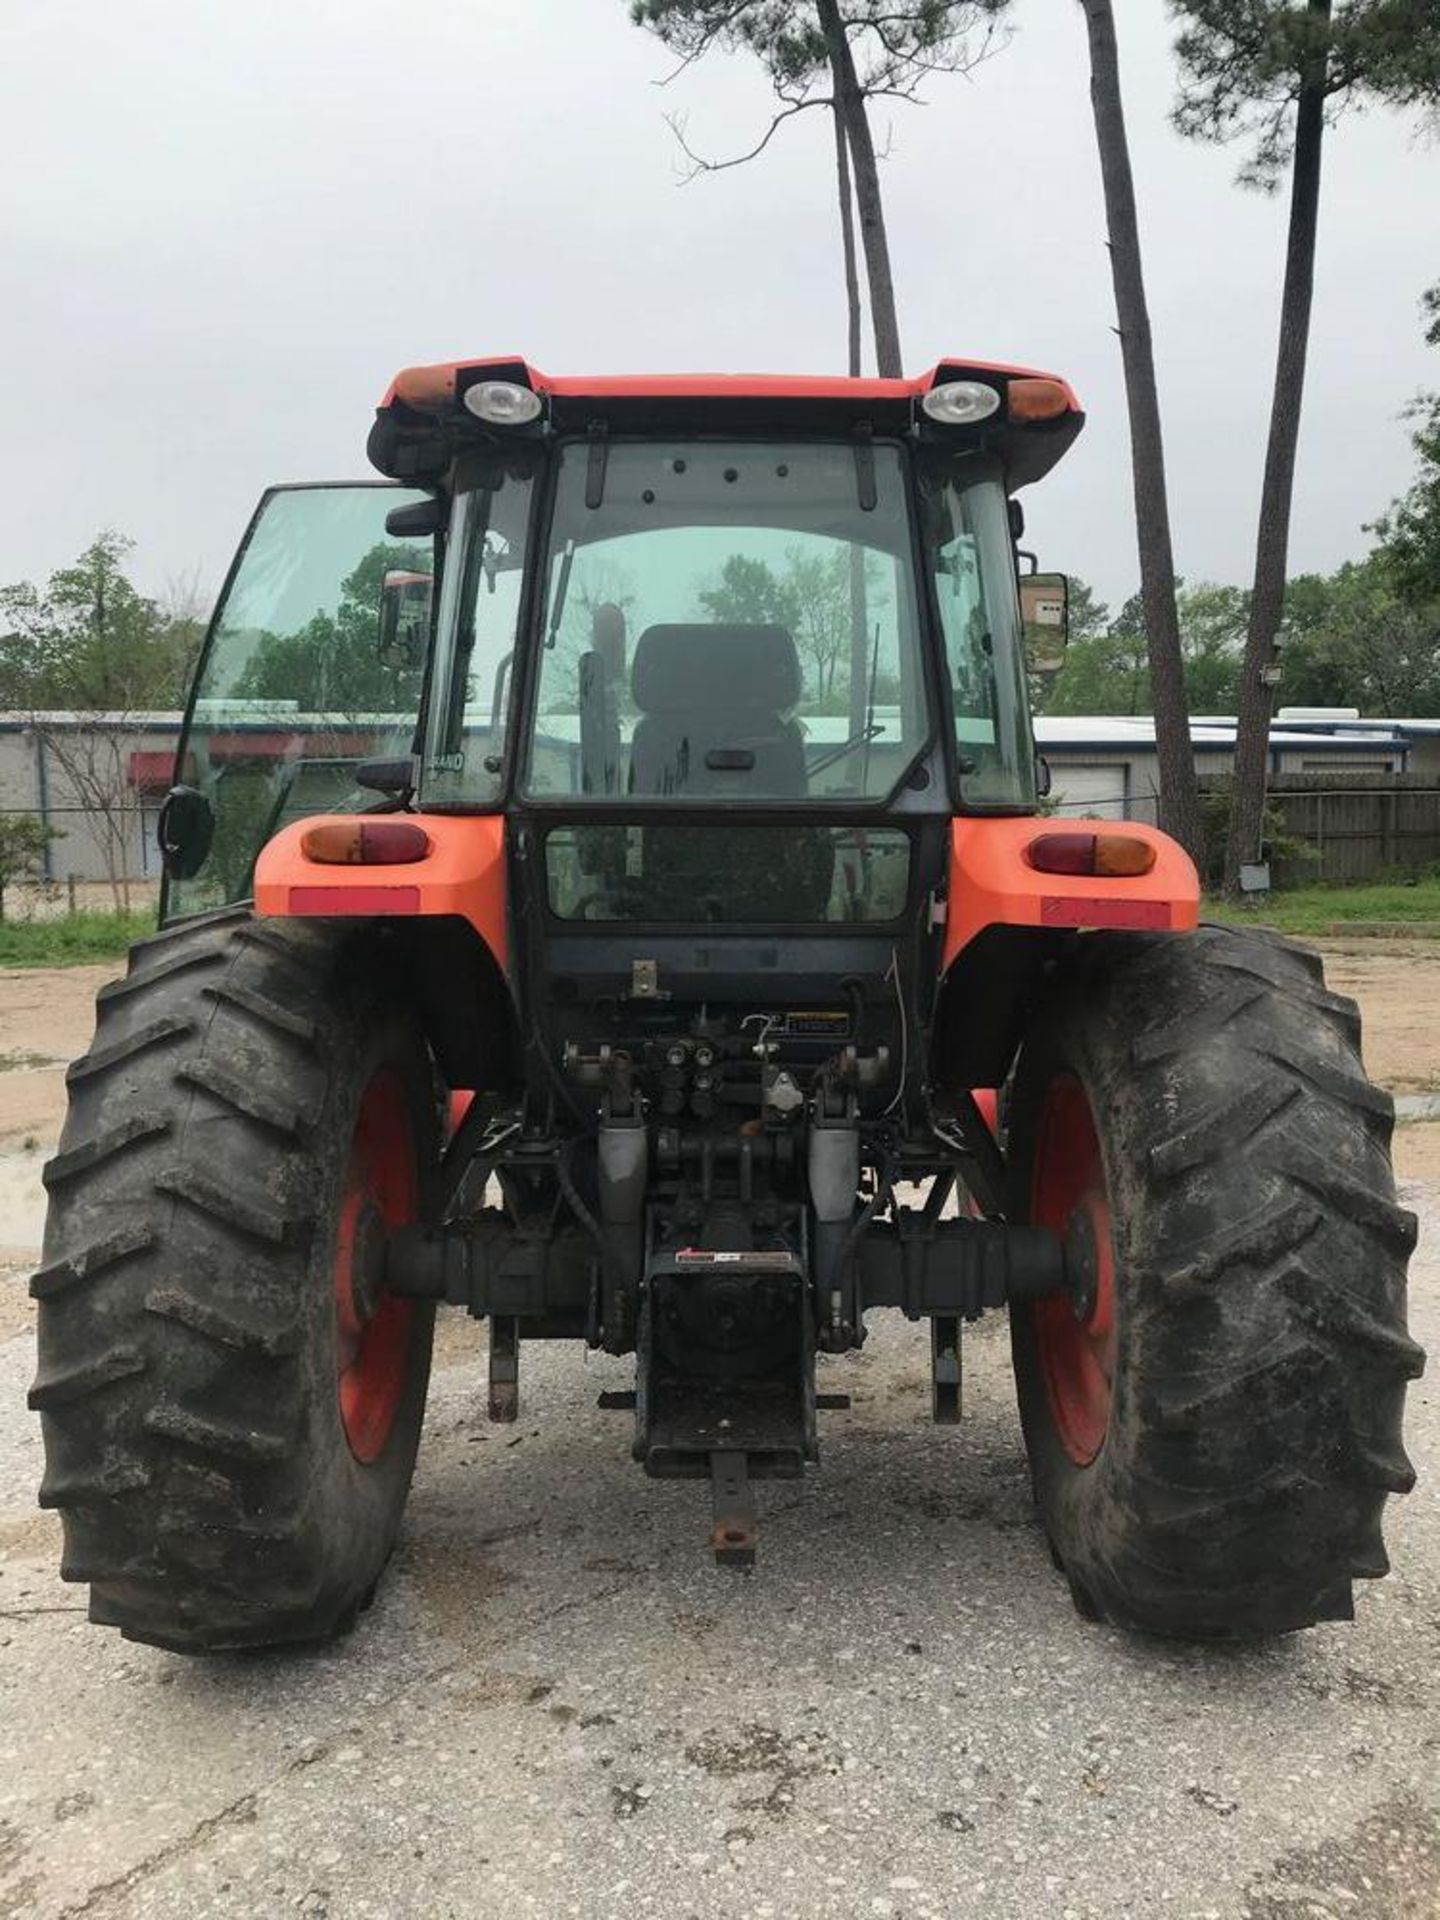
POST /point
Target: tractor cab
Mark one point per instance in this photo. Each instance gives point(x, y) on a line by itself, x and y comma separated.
point(653, 605)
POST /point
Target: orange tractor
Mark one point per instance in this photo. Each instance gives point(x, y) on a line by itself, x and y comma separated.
point(603, 861)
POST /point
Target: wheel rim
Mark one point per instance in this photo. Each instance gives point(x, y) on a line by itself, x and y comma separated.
point(1076, 1340)
point(372, 1329)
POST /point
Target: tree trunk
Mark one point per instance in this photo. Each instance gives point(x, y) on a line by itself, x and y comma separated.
point(847, 244)
point(1272, 545)
point(1179, 799)
point(867, 190)
point(859, 611)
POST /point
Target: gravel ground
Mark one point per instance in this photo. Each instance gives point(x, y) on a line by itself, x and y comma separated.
point(557, 1707)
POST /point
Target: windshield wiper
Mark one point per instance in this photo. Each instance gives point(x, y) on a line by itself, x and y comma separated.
point(870, 731)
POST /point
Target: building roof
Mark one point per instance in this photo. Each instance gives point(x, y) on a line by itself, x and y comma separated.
point(67, 720)
point(1064, 732)
point(1214, 733)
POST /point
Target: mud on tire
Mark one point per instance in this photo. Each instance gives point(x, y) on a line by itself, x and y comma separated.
point(187, 1380)
point(1251, 1425)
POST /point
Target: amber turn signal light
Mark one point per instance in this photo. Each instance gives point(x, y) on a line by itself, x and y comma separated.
point(1111, 855)
point(1036, 399)
point(365, 843)
point(426, 388)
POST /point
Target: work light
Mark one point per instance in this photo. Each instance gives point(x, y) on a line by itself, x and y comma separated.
point(503, 403)
point(958, 403)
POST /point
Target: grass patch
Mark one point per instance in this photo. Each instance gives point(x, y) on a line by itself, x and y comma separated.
point(72, 941)
point(1412, 904)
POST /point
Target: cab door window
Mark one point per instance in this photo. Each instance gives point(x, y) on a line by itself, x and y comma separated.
point(295, 687)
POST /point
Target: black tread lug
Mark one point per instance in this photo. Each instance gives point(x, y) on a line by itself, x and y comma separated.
point(1258, 1239)
point(248, 1215)
point(1387, 1467)
point(1275, 967)
point(116, 992)
point(1170, 1037)
point(1349, 1198)
point(72, 1162)
point(216, 1323)
point(113, 1480)
point(1237, 1117)
point(1347, 1087)
point(57, 1386)
point(1176, 1406)
point(227, 1438)
point(287, 1117)
point(270, 1013)
point(101, 1060)
point(88, 1262)
point(205, 930)
point(1333, 1312)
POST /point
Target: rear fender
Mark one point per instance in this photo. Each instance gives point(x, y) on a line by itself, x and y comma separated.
point(441, 925)
point(992, 884)
point(1005, 921)
point(463, 875)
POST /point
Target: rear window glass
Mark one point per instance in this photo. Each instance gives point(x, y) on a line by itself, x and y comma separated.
point(727, 875)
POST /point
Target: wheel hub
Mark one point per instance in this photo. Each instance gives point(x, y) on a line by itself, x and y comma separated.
point(367, 1262)
point(372, 1326)
point(1082, 1267)
point(1075, 1330)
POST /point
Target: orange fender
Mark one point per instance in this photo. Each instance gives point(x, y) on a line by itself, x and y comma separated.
point(462, 874)
point(993, 884)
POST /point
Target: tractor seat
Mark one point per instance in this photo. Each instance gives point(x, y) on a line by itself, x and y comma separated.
point(713, 703)
point(713, 723)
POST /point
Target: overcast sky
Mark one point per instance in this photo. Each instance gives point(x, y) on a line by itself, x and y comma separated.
point(226, 223)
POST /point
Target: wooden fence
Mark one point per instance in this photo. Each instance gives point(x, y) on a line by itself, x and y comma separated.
point(1354, 825)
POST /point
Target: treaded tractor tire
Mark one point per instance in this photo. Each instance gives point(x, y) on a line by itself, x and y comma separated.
point(1215, 1465)
point(203, 1204)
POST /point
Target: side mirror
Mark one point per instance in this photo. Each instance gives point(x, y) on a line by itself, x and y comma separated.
point(416, 521)
point(1045, 621)
point(184, 832)
point(404, 618)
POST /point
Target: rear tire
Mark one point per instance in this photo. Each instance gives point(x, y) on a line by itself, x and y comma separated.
point(1213, 1437)
point(230, 1412)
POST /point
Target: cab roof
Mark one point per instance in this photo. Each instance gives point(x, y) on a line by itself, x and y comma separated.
point(423, 422)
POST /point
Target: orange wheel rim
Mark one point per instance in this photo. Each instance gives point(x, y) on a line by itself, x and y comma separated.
point(372, 1329)
point(1076, 1348)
